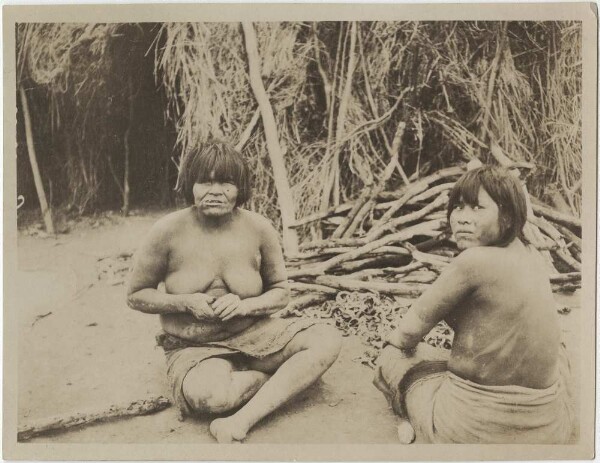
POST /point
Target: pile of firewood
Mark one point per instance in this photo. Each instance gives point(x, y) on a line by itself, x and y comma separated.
point(395, 243)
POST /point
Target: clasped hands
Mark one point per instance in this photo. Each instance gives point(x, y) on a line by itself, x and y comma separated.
point(205, 307)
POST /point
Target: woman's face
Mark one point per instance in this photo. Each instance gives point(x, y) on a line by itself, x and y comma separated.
point(476, 225)
point(215, 198)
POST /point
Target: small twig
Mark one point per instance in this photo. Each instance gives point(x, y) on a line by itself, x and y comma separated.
point(39, 317)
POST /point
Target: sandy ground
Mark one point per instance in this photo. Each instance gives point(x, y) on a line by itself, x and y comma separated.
point(91, 351)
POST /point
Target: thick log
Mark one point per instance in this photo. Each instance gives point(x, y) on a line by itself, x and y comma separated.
point(309, 287)
point(555, 216)
point(64, 423)
point(395, 289)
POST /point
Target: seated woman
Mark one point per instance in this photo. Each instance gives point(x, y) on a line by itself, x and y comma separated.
point(504, 380)
point(224, 274)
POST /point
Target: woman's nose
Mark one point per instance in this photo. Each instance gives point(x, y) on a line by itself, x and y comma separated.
point(463, 216)
point(216, 188)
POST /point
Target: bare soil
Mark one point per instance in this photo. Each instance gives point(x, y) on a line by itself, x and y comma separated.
point(80, 348)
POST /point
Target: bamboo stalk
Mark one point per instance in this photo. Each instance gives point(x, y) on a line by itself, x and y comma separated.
point(37, 178)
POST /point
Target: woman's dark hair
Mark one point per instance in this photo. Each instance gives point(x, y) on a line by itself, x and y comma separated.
point(506, 191)
point(215, 158)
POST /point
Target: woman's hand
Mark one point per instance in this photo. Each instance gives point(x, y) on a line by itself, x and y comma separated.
point(198, 305)
point(229, 306)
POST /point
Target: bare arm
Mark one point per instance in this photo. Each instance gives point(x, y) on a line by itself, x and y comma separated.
point(149, 269)
point(276, 292)
point(455, 283)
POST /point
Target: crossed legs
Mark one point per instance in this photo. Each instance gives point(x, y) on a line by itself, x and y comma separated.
point(215, 386)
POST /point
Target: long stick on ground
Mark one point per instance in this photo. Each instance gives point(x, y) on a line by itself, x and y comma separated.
point(37, 178)
point(63, 423)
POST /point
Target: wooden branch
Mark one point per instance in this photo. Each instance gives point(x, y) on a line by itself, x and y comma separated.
point(406, 234)
point(284, 192)
point(333, 243)
point(37, 178)
point(425, 278)
point(371, 272)
point(300, 303)
point(427, 195)
point(359, 217)
point(64, 423)
point(363, 199)
point(565, 277)
point(347, 284)
point(439, 175)
point(245, 136)
point(570, 236)
point(334, 210)
point(561, 252)
point(386, 260)
point(555, 216)
point(379, 230)
point(309, 287)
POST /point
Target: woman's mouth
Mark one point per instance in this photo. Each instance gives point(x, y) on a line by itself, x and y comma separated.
point(463, 234)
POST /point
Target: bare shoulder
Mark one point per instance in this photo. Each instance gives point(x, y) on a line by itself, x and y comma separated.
point(476, 262)
point(167, 226)
point(258, 223)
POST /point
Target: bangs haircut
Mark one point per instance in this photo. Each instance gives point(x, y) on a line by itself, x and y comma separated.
point(221, 160)
point(506, 191)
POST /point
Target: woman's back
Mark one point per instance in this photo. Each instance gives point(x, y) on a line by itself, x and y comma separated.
point(506, 330)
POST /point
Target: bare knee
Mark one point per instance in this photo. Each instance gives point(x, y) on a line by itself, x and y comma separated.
point(206, 387)
point(324, 342)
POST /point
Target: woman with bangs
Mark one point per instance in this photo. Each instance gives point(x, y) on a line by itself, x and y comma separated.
point(504, 379)
point(223, 272)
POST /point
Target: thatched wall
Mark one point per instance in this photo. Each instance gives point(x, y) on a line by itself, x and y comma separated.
point(348, 97)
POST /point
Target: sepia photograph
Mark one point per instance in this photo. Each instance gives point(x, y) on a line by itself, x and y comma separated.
point(282, 226)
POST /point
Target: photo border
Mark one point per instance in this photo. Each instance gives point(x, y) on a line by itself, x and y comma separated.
point(585, 12)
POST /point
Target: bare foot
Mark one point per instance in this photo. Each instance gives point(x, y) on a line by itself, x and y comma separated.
point(406, 433)
point(227, 430)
